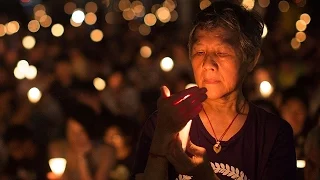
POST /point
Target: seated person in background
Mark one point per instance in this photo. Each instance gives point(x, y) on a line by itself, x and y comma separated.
point(86, 159)
point(294, 109)
point(24, 161)
point(121, 137)
point(312, 151)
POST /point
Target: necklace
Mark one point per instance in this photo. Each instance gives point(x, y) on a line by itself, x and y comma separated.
point(217, 147)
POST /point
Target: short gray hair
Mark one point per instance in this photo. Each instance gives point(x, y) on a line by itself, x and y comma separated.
point(248, 25)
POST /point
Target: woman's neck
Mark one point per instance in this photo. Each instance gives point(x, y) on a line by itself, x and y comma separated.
point(224, 105)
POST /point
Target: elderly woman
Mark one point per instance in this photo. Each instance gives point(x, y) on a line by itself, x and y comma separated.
point(230, 138)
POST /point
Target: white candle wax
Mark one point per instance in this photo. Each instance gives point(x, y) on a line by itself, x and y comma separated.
point(184, 135)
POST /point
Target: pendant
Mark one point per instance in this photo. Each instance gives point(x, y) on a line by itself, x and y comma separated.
point(217, 147)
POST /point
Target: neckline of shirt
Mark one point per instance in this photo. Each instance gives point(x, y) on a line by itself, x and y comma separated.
point(234, 137)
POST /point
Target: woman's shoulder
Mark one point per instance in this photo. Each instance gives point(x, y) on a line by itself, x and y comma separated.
point(261, 114)
point(267, 120)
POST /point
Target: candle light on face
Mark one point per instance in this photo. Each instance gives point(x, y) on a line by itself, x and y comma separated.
point(57, 165)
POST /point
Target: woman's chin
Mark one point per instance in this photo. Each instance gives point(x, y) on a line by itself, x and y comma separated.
point(215, 95)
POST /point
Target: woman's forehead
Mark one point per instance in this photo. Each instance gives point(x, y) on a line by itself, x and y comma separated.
point(219, 34)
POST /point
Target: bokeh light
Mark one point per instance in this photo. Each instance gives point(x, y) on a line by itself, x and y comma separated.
point(150, 19)
point(145, 51)
point(263, 3)
point(99, 83)
point(266, 89)
point(96, 35)
point(91, 7)
point(74, 24)
point(248, 4)
point(23, 66)
point(295, 44)
point(301, 25)
point(28, 42)
point(31, 73)
point(155, 7)
point(124, 4)
point(305, 17)
point(45, 21)
point(204, 4)
point(34, 95)
point(39, 7)
point(301, 36)
point(174, 16)
point(90, 18)
point(69, 7)
point(144, 30)
point(18, 74)
point(34, 26)
point(57, 30)
point(38, 14)
point(170, 4)
point(12, 27)
point(128, 14)
point(3, 30)
point(166, 64)
point(78, 16)
point(163, 14)
point(284, 6)
point(111, 17)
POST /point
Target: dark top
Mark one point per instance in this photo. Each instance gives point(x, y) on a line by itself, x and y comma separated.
point(262, 149)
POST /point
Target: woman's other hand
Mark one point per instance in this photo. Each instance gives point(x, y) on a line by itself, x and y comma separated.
point(196, 164)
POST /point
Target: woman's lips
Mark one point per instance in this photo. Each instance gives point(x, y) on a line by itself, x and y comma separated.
point(210, 81)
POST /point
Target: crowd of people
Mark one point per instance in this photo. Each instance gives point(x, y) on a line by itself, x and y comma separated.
point(97, 131)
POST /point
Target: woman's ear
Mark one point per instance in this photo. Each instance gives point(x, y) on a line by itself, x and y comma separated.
point(253, 63)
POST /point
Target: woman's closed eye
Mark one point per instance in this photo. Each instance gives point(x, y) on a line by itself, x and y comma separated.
point(200, 53)
point(222, 54)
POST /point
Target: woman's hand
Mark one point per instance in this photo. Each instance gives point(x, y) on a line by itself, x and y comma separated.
point(197, 165)
point(176, 110)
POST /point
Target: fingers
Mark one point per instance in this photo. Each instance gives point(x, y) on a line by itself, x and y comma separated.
point(186, 94)
point(194, 149)
point(194, 100)
point(165, 92)
point(180, 160)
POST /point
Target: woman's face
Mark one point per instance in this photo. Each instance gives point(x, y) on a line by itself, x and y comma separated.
point(114, 137)
point(76, 134)
point(216, 62)
point(295, 112)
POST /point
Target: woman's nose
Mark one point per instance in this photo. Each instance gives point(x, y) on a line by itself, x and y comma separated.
point(209, 62)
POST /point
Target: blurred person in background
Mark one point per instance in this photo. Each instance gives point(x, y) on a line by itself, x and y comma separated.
point(85, 93)
point(294, 109)
point(24, 162)
point(119, 96)
point(312, 151)
point(62, 80)
point(87, 159)
point(122, 136)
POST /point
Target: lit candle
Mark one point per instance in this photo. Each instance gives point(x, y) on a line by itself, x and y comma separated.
point(57, 166)
point(184, 135)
